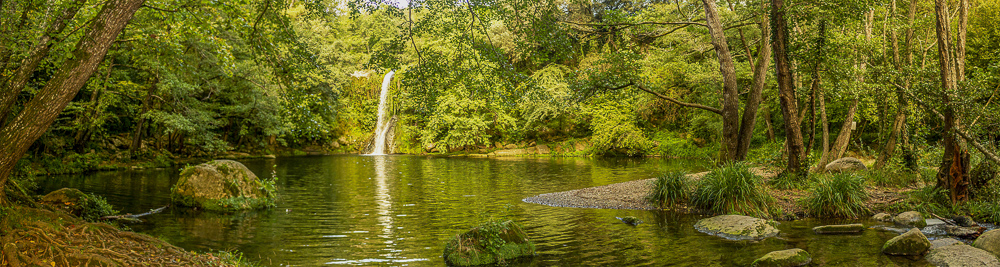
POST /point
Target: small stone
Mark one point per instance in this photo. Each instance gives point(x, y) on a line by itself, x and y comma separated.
point(911, 219)
point(911, 243)
point(784, 258)
point(882, 217)
point(839, 229)
point(630, 220)
point(961, 255)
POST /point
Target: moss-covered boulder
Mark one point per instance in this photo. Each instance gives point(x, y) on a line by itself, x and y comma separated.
point(846, 164)
point(882, 217)
point(488, 243)
point(989, 241)
point(737, 227)
point(961, 255)
point(222, 185)
point(73, 201)
point(783, 258)
point(911, 219)
point(839, 229)
point(911, 243)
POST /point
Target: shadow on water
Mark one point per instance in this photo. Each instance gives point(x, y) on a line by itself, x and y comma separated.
point(400, 210)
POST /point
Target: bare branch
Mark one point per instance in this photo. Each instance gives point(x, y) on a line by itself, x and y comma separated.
point(675, 101)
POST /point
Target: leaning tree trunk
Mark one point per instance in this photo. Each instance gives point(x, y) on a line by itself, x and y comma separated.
point(39, 113)
point(786, 88)
point(844, 137)
point(730, 93)
point(754, 99)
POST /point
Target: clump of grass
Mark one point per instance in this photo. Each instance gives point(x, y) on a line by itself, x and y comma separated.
point(984, 210)
point(732, 189)
point(669, 189)
point(841, 195)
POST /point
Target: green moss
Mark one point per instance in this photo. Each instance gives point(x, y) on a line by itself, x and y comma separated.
point(488, 243)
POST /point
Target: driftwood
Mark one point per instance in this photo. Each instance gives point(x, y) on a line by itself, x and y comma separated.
point(949, 222)
point(134, 217)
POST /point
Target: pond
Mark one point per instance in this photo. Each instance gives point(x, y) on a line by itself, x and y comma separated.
point(400, 211)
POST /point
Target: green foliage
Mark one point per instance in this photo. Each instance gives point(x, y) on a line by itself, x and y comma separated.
point(490, 242)
point(670, 145)
point(669, 189)
point(615, 130)
point(983, 31)
point(984, 210)
point(732, 189)
point(94, 207)
point(892, 176)
point(839, 195)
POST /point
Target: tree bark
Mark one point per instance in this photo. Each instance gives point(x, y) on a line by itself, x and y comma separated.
point(38, 52)
point(39, 113)
point(889, 148)
point(786, 88)
point(951, 174)
point(754, 99)
point(825, 156)
point(844, 137)
point(730, 92)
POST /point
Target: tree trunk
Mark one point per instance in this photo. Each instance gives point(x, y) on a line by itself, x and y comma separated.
point(39, 113)
point(38, 52)
point(754, 99)
point(730, 93)
point(844, 137)
point(786, 88)
point(953, 169)
point(889, 148)
point(137, 135)
point(825, 156)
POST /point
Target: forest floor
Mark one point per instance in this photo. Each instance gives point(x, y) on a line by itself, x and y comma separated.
point(631, 195)
point(37, 236)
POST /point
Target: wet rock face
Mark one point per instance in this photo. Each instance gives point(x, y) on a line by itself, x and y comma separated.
point(911, 219)
point(784, 258)
point(222, 185)
point(911, 243)
point(846, 164)
point(737, 227)
point(961, 255)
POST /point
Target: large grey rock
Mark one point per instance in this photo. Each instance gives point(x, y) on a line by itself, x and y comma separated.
point(989, 241)
point(222, 185)
point(961, 255)
point(882, 217)
point(783, 258)
point(911, 243)
point(839, 229)
point(846, 164)
point(736, 227)
point(943, 242)
point(911, 219)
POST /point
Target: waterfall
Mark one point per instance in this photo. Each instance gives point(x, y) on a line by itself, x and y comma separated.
point(382, 126)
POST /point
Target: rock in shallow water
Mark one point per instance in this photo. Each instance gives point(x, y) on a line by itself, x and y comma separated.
point(961, 255)
point(911, 243)
point(944, 242)
point(488, 243)
point(737, 227)
point(783, 258)
point(222, 185)
point(989, 241)
point(882, 217)
point(839, 229)
point(911, 219)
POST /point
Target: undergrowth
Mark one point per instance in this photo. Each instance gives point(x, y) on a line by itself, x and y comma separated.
point(733, 189)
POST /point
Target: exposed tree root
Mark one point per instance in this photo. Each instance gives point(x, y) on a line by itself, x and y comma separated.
point(44, 238)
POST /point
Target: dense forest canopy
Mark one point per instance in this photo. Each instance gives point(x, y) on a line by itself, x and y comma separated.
point(792, 83)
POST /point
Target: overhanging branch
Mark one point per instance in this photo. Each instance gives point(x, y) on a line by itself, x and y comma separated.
point(958, 128)
point(675, 101)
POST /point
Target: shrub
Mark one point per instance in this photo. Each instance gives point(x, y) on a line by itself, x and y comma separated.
point(732, 188)
point(95, 207)
point(490, 242)
point(669, 189)
point(984, 210)
point(892, 177)
point(842, 195)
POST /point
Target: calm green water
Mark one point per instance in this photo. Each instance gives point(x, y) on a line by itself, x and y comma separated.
point(400, 210)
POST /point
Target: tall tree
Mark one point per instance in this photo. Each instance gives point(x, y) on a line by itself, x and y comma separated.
point(786, 88)
point(39, 113)
point(952, 174)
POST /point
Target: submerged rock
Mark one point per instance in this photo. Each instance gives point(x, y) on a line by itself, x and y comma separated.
point(846, 164)
point(633, 221)
point(963, 232)
point(989, 241)
point(736, 227)
point(222, 185)
point(944, 242)
point(488, 243)
point(882, 217)
point(911, 219)
point(839, 229)
point(783, 258)
point(911, 243)
point(961, 255)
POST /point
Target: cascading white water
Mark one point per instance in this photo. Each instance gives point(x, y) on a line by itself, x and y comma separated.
point(382, 127)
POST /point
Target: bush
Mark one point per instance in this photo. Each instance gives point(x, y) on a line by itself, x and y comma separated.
point(892, 177)
point(732, 188)
point(669, 189)
point(95, 207)
point(842, 195)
